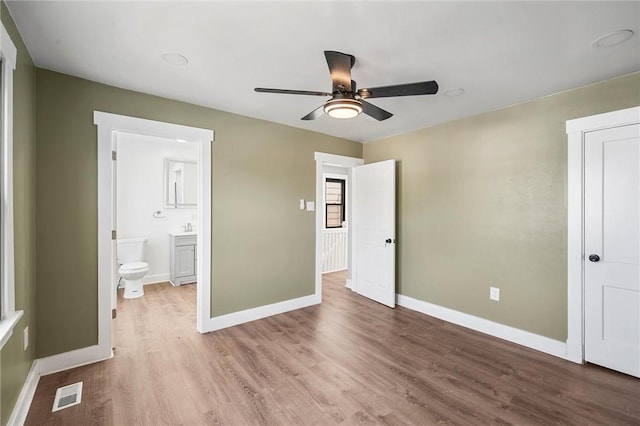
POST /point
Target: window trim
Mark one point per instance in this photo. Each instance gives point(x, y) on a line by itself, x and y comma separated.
point(9, 317)
point(343, 181)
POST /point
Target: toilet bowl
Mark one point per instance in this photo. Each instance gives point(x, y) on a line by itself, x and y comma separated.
point(132, 266)
point(132, 274)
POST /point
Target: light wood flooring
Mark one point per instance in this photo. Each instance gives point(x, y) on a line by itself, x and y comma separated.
point(348, 361)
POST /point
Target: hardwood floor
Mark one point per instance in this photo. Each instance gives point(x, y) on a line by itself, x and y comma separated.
point(348, 361)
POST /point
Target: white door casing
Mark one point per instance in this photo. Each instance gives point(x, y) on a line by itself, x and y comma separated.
point(576, 130)
point(612, 248)
point(374, 226)
point(108, 124)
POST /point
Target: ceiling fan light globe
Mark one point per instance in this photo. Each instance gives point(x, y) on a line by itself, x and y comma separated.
point(343, 108)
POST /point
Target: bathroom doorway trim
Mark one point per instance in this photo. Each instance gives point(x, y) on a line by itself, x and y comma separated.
point(108, 124)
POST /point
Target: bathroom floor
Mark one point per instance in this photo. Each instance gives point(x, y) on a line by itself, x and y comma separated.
point(164, 312)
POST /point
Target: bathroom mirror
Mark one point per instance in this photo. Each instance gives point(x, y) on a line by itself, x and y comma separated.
point(180, 183)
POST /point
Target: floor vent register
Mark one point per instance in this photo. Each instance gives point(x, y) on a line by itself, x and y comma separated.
point(67, 396)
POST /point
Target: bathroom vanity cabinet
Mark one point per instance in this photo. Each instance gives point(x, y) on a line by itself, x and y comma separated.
point(183, 258)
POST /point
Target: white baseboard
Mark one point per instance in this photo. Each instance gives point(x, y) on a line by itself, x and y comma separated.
point(21, 409)
point(72, 359)
point(334, 270)
point(349, 284)
point(241, 317)
point(515, 335)
point(155, 279)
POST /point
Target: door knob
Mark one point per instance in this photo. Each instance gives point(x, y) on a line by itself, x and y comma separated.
point(594, 257)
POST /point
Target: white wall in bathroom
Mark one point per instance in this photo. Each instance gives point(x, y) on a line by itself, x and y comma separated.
point(140, 189)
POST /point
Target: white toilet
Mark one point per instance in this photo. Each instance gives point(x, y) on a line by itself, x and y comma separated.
point(132, 267)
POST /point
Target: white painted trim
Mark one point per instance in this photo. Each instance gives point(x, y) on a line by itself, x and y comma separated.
point(337, 160)
point(7, 48)
point(333, 160)
point(155, 279)
point(72, 359)
point(7, 325)
point(335, 270)
point(623, 117)
point(248, 315)
point(108, 124)
point(21, 409)
point(511, 334)
point(349, 284)
point(576, 130)
point(9, 317)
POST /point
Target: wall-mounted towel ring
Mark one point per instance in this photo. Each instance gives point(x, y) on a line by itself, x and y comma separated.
point(158, 214)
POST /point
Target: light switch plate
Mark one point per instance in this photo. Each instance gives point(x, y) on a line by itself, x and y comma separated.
point(301, 204)
point(311, 206)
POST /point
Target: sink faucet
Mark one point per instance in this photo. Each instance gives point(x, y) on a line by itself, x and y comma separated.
point(188, 228)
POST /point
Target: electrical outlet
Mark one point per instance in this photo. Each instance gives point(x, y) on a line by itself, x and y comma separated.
point(494, 293)
point(25, 335)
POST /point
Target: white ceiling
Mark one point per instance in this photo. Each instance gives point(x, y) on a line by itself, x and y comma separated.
point(501, 53)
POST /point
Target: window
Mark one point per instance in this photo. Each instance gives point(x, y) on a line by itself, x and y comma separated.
point(334, 203)
point(8, 315)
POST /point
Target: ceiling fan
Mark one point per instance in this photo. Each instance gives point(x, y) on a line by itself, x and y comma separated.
point(347, 101)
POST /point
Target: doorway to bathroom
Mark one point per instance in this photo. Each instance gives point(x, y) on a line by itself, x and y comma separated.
point(155, 167)
point(156, 213)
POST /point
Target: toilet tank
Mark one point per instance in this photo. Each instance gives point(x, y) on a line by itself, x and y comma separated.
point(130, 250)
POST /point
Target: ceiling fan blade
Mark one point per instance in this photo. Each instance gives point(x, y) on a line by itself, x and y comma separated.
point(410, 89)
point(291, 92)
point(374, 111)
point(340, 65)
point(314, 114)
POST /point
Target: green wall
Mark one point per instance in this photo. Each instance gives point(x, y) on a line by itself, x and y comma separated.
point(15, 363)
point(262, 244)
point(482, 202)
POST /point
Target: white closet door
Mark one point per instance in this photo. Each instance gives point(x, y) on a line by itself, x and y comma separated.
point(612, 248)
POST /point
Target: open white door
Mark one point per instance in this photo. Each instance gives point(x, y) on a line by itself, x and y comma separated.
point(612, 248)
point(374, 223)
point(114, 222)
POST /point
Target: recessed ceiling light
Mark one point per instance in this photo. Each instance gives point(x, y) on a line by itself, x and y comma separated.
point(612, 39)
point(175, 59)
point(454, 92)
